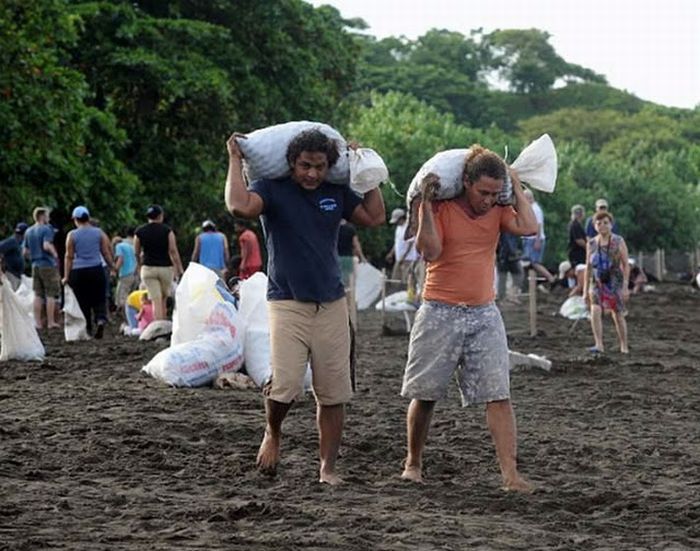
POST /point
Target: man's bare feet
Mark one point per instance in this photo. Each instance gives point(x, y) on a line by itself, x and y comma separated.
point(517, 484)
point(329, 478)
point(414, 474)
point(269, 455)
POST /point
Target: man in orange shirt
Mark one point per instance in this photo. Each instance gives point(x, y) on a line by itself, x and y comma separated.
point(251, 259)
point(458, 326)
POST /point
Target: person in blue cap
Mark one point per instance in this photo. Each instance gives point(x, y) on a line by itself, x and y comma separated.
point(12, 257)
point(86, 245)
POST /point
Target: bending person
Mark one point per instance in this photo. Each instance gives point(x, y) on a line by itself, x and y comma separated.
point(458, 326)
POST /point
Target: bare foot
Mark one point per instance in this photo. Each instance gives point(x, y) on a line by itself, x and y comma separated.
point(624, 350)
point(330, 478)
point(54, 326)
point(269, 455)
point(413, 474)
point(518, 484)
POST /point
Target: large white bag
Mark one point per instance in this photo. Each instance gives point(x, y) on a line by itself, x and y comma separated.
point(198, 362)
point(448, 166)
point(199, 290)
point(265, 151)
point(25, 294)
point(19, 340)
point(368, 285)
point(156, 329)
point(537, 164)
point(253, 305)
point(74, 324)
point(574, 308)
point(253, 310)
point(367, 169)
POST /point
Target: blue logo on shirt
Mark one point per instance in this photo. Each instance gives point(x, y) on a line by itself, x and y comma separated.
point(327, 204)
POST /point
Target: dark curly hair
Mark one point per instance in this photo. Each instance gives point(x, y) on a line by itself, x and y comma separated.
point(315, 141)
point(483, 162)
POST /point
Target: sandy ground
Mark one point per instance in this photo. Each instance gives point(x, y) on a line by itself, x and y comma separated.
point(96, 455)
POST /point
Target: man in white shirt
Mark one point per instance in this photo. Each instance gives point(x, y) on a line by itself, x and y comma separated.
point(407, 261)
point(533, 245)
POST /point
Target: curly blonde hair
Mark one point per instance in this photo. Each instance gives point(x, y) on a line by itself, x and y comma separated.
point(483, 162)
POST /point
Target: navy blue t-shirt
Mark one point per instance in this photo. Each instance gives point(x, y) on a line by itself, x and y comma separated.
point(301, 234)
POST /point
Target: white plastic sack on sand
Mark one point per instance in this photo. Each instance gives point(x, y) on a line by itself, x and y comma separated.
point(256, 348)
point(367, 169)
point(199, 290)
point(368, 285)
point(19, 340)
point(517, 359)
point(537, 164)
point(257, 359)
point(156, 329)
point(396, 302)
point(574, 308)
point(74, 325)
point(198, 362)
point(253, 302)
point(265, 151)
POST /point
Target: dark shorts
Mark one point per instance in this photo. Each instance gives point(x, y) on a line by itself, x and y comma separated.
point(46, 282)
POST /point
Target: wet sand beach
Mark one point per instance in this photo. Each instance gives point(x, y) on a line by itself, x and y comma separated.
point(96, 455)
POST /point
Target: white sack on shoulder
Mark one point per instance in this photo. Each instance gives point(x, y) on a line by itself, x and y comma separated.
point(74, 324)
point(19, 340)
point(537, 164)
point(448, 166)
point(367, 169)
point(265, 151)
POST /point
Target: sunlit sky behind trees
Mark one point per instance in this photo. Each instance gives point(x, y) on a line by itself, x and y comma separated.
point(648, 48)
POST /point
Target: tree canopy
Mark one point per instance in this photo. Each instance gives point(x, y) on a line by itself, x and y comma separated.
point(115, 104)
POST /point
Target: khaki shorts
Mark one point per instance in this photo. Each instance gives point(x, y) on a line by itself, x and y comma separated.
point(303, 331)
point(46, 282)
point(158, 281)
point(125, 285)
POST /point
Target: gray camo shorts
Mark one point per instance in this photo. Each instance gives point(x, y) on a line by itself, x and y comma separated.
point(468, 340)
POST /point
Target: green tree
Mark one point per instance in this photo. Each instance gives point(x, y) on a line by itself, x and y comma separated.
point(528, 62)
point(406, 132)
point(54, 149)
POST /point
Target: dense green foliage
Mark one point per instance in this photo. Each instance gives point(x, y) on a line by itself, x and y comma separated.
point(116, 104)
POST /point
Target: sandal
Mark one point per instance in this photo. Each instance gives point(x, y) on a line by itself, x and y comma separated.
point(595, 350)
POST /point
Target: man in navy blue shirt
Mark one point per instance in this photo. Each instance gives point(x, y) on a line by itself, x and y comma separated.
point(11, 254)
point(307, 310)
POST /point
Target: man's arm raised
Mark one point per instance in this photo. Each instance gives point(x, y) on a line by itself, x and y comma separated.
point(525, 221)
point(239, 201)
point(371, 211)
